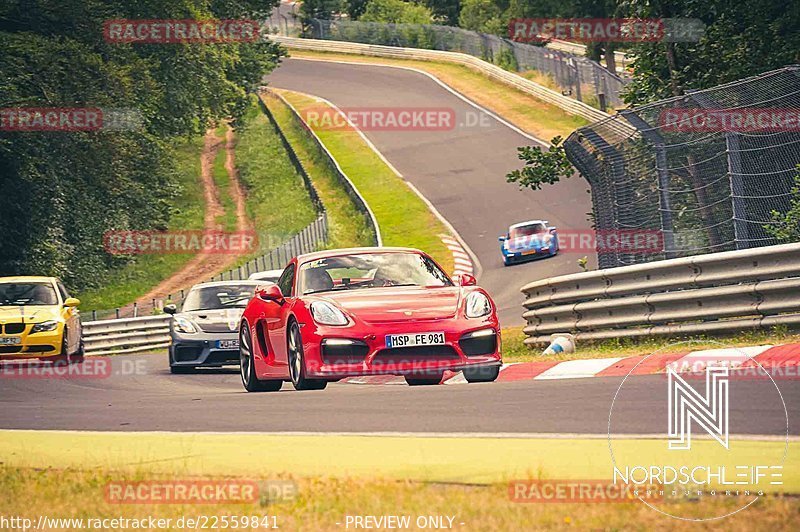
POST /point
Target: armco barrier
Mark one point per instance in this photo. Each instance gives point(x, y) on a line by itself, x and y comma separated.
point(713, 293)
point(349, 187)
point(131, 335)
point(495, 72)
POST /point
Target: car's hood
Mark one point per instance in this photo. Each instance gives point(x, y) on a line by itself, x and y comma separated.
point(32, 314)
point(218, 320)
point(406, 303)
point(526, 242)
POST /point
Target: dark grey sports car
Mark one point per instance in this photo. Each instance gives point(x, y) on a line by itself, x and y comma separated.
point(205, 333)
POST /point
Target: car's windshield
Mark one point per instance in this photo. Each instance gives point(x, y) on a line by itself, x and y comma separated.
point(527, 230)
point(218, 297)
point(370, 270)
point(29, 293)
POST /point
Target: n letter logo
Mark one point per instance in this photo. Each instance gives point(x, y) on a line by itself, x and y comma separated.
point(709, 411)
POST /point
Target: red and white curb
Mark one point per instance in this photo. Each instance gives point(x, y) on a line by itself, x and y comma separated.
point(462, 263)
point(782, 359)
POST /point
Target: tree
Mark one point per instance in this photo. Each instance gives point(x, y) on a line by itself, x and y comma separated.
point(785, 226)
point(396, 12)
point(541, 167)
point(320, 9)
point(444, 11)
point(740, 40)
point(62, 191)
point(485, 16)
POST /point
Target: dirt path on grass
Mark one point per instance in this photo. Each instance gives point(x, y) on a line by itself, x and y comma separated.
point(205, 264)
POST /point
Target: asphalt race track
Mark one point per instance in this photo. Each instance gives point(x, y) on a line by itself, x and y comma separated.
point(461, 170)
point(140, 394)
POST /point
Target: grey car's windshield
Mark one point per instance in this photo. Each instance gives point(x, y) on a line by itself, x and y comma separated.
point(218, 297)
point(21, 294)
point(370, 270)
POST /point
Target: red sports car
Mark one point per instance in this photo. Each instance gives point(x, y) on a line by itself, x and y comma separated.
point(367, 311)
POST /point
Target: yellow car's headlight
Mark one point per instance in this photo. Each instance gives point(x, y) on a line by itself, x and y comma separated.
point(45, 326)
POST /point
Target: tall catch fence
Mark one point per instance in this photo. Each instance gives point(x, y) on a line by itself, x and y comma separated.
point(576, 76)
point(709, 171)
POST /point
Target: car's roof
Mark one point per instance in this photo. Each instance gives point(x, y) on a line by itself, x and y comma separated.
point(248, 282)
point(352, 251)
point(529, 222)
point(27, 279)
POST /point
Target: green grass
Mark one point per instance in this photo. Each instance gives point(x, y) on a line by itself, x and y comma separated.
point(223, 182)
point(277, 201)
point(515, 351)
point(322, 502)
point(404, 219)
point(136, 278)
point(538, 118)
point(347, 227)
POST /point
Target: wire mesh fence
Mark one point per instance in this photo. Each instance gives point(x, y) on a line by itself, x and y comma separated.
point(709, 171)
point(576, 76)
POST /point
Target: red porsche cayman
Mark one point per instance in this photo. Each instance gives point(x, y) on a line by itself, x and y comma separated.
point(367, 311)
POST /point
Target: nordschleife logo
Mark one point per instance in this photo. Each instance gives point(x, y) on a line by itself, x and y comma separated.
point(709, 410)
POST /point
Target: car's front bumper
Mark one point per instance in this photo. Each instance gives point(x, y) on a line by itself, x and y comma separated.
point(40, 345)
point(203, 349)
point(370, 356)
point(527, 254)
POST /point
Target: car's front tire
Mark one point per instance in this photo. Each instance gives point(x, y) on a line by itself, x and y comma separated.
point(247, 368)
point(482, 373)
point(297, 364)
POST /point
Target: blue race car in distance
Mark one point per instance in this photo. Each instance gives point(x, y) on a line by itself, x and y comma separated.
point(528, 240)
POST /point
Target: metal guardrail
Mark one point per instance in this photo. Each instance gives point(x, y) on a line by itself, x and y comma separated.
point(348, 185)
point(492, 71)
point(131, 335)
point(718, 292)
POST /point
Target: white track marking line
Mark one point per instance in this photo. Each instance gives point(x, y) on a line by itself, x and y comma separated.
point(577, 369)
point(335, 162)
point(410, 185)
point(448, 88)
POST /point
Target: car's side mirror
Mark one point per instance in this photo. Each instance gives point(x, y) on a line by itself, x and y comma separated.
point(72, 302)
point(501, 238)
point(551, 229)
point(270, 292)
point(466, 279)
point(170, 309)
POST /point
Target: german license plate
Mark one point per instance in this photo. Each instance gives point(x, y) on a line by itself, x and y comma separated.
point(416, 339)
point(11, 340)
point(228, 344)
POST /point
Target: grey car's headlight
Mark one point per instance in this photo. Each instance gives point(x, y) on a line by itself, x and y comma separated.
point(182, 325)
point(45, 326)
point(326, 314)
point(478, 305)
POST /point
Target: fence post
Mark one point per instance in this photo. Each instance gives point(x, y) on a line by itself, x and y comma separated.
point(662, 169)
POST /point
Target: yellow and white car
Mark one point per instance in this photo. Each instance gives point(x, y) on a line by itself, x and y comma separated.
point(38, 319)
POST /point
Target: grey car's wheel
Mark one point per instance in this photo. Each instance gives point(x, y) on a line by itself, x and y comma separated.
point(247, 368)
point(297, 369)
point(482, 373)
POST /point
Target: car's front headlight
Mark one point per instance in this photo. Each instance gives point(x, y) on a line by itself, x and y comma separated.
point(478, 305)
point(182, 325)
point(45, 326)
point(326, 314)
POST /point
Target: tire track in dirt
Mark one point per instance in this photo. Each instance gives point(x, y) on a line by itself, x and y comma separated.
point(206, 263)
